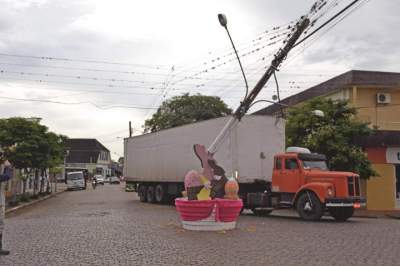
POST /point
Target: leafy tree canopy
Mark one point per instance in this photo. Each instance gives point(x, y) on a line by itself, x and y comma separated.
point(185, 109)
point(28, 144)
point(332, 135)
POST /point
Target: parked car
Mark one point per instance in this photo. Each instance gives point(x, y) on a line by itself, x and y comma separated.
point(107, 179)
point(99, 179)
point(114, 180)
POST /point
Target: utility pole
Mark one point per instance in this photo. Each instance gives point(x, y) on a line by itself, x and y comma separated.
point(249, 99)
point(130, 129)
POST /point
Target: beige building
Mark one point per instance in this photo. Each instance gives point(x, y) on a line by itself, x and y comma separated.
point(87, 155)
point(376, 95)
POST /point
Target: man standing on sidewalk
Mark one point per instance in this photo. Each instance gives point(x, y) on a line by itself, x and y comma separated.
point(6, 174)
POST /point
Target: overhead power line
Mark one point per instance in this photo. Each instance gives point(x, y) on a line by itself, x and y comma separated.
point(112, 133)
point(86, 69)
point(76, 103)
point(113, 86)
point(242, 46)
point(327, 30)
point(80, 60)
point(254, 42)
point(327, 22)
point(220, 64)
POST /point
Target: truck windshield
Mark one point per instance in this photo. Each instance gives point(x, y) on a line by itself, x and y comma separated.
point(76, 176)
point(315, 165)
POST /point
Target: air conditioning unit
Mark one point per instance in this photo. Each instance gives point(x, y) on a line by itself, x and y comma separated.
point(383, 98)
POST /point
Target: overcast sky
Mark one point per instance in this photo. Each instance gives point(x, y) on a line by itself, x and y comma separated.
point(102, 63)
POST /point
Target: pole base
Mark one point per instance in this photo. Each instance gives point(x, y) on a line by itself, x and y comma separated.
point(4, 252)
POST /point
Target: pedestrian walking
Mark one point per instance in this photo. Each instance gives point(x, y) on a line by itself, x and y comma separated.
point(6, 175)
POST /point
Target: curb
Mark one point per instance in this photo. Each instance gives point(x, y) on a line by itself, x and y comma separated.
point(392, 216)
point(375, 215)
point(368, 216)
point(22, 206)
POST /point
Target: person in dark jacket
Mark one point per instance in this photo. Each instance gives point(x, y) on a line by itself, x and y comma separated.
point(6, 175)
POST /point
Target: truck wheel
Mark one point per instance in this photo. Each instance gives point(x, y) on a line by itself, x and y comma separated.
point(150, 194)
point(309, 207)
point(160, 193)
point(142, 191)
point(341, 214)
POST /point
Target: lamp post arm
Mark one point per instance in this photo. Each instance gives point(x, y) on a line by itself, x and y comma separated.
point(240, 63)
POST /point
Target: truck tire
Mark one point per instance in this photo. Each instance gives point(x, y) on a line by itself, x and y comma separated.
point(142, 193)
point(341, 214)
point(150, 197)
point(309, 207)
point(160, 193)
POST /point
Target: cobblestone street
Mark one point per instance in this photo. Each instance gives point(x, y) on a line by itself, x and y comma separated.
point(108, 226)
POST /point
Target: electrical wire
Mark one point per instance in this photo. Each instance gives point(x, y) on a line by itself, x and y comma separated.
point(326, 31)
point(223, 63)
point(80, 60)
point(75, 103)
point(112, 133)
point(112, 81)
point(263, 35)
point(326, 23)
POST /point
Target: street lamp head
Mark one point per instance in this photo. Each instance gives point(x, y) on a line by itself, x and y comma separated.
point(222, 20)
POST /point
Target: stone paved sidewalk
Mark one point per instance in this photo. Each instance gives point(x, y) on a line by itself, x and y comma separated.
point(60, 189)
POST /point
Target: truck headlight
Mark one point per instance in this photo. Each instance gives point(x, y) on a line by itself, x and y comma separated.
point(331, 192)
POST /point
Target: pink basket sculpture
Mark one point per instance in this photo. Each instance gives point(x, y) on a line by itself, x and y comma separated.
point(208, 215)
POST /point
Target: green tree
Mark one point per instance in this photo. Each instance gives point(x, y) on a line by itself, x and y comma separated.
point(28, 145)
point(332, 135)
point(185, 109)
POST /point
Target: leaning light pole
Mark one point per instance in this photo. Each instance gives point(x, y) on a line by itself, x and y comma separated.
point(249, 98)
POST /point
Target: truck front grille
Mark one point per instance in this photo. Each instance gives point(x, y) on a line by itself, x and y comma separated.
point(353, 185)
point(357, 185)
point(350, 185)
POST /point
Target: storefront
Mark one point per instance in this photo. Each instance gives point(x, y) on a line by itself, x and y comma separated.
point(393, 157)
point(383, 150)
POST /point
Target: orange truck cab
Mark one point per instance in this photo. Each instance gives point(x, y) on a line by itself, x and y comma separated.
point(302, 180)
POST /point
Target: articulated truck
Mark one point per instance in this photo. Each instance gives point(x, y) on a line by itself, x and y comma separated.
point(253, 152)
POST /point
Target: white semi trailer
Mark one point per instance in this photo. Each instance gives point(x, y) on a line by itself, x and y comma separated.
point(156, 163)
